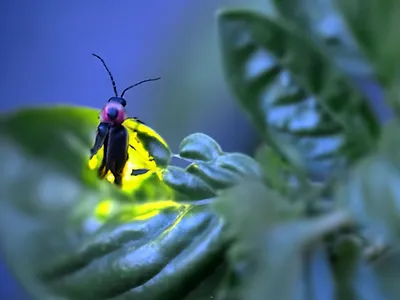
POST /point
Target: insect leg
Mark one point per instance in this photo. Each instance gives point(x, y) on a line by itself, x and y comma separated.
point(118, 179)
point(101, 134)
point(102, 170)
point(139, 172)
point(136, 172)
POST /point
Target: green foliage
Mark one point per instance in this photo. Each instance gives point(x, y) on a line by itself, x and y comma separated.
point(366, 20)
point(275, 238)
point(301, 74)
point(294, 95)
point(313, 216)
point(211, 169)
point(375, 177)
point(76, 237)
point(199, 146)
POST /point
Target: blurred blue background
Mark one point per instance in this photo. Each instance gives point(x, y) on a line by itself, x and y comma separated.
point(46, 49)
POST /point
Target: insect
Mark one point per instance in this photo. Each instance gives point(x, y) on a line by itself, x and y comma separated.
point(113, 135)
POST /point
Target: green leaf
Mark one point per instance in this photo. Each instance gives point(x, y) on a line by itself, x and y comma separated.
point(190, 185)
point(211, 169)
point(371, 189)
point(371, 195)
point(199, 146)
point(67, 235)
point(366, 20)
point(323, 21)
point(215, 176)
point(269, 240)
point(294, 94)
point(355, 278)
point(277, 173)
point(239, 163)
point(262, 207)
point(387, 271)
point(142, 261)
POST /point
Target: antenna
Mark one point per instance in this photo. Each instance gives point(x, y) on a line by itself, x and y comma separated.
point(136, 84)
point(109, 73)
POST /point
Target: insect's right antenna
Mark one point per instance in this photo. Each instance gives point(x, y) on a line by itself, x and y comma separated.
point(109, 73)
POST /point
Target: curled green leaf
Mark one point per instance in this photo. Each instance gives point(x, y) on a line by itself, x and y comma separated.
point(188, 184)
point(294, 95)
point(199, 146)
point(239, 163)
point(215, 176)
point(211, 169)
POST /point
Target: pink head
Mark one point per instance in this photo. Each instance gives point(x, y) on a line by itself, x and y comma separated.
point(113, 113)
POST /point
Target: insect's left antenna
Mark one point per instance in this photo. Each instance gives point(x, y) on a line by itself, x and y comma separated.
point(109, 73)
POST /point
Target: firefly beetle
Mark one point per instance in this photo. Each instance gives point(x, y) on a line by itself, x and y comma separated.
point(113, 135)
